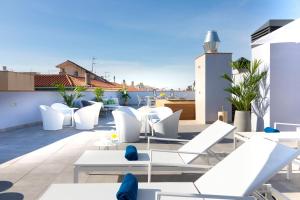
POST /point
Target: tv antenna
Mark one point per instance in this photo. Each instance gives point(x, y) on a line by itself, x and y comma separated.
point(93, 63)
point(107, 75)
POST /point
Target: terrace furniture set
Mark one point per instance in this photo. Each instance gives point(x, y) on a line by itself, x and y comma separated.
point(131, 122)
point(58, 114)
point(240, 175)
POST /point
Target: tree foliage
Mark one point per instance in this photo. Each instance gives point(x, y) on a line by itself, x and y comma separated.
point(99, 94)
point(70, 97)
point(245, 91)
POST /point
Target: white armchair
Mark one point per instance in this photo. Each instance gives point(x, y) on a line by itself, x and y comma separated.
point(65, 110)
point(162, 112)
point(85, 118)
point(168, 126)
point(52, 119)
point(141, 100)
point(98, 106)
point(128, 124)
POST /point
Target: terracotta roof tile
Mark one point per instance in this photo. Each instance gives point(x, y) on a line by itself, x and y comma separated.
point(48, 80)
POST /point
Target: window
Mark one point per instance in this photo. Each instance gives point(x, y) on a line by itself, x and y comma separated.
point(76, 73)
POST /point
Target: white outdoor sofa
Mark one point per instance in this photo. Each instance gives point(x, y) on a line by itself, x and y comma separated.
point(171, 161)
point(238, 176)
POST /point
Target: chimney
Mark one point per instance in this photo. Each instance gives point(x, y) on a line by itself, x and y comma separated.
point(132, 83)
point(124, 84)
point(4, 68)
point(87, 79)
point(211, 42)
point(114, 79)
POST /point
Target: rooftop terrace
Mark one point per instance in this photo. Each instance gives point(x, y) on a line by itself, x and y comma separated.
point(32, 159)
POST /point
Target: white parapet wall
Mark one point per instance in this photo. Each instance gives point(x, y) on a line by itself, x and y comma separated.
point(283, 62)
point(18, 109)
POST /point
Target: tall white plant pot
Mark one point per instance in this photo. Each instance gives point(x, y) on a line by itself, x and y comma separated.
point(242, 121)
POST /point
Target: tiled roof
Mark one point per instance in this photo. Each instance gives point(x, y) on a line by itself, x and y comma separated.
point(48, 80)
point(51, 79)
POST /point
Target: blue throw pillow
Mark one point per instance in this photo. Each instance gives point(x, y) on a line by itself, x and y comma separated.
point(131, 153)
point(85, 103)
point(271, 130)
point(128, 189)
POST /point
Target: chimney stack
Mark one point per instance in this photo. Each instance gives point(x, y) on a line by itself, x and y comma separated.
point(87, 79)
point(132, 83)
point(124, 84)
point(4, 68)
point(114, 79)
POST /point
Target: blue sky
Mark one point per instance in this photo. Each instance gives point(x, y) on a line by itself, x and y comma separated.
point(150, 41)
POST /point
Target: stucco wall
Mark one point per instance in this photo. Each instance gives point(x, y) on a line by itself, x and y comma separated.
point(210, 94)
point(283, 62)
point(21, 108)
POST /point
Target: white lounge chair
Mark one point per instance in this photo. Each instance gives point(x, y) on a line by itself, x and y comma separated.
point(237, 176)
point(84, 118)
point(98, 106)
point(52, 119)
point(128, 124)
point(167, 126)
point(65, 110)
point(170, 161)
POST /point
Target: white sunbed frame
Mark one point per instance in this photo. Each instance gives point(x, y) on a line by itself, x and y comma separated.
point(186, 155)
point(236, 177)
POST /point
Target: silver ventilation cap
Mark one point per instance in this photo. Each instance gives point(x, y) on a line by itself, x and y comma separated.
point(211, 42)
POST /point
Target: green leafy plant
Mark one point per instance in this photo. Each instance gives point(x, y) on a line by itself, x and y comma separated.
point(124, 95)
point(99, 94)
point(246, 90)
point(69, 98)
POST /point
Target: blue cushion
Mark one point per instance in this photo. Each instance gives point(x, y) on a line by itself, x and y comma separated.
point(85, 103)
point(131, 153)
point(128, 189)
point(271, 130)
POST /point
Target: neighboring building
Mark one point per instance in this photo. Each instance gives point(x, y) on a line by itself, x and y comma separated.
point(70, 68)
point(72, 75)
point(143, 87)
point(279, 52)
point(16, 81)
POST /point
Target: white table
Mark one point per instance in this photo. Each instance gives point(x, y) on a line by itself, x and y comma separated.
point(285, 136)
point(72, 110)
point(105, 143)
point(146, 114)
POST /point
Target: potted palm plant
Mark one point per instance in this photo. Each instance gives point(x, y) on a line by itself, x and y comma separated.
point(69, 98)
point(99, 94)
point(125, 96)
point(244, 91)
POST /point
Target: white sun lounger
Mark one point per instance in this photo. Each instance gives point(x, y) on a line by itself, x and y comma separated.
point(170, 161)
point(237, 176)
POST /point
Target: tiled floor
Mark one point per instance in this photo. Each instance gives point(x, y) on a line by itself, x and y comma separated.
point(47, 157)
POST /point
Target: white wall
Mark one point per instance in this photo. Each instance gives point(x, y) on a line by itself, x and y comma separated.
point(283, 61)
point(261, 117)
point(21, 108)
point(285, 83)
point(210, 94)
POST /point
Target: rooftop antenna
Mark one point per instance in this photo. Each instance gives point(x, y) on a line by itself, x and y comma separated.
point(93, 63)
point(107, 75)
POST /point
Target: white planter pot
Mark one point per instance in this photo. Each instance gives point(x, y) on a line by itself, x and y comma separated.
point(242, 121)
